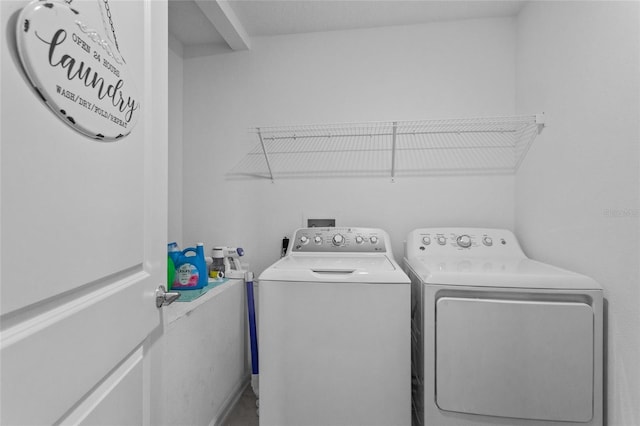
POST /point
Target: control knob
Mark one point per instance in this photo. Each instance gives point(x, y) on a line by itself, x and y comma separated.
point(338, 240)
point(426, 241)
point(442, 240)
point(317, 240)
point(304, 239)
point(373, 239)
point(359, 239)
point(464, 241)
point(487, 241)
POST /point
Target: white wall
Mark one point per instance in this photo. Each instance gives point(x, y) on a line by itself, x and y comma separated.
point(203, 352)
point(439, 70)
point(175, 139)
point(578, 192)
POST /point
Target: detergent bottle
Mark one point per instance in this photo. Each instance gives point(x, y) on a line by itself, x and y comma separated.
point(171, 272)
point(191, 271)
point(173, 253)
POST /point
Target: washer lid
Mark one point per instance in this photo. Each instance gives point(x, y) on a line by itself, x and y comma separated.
point(497, 272)
point(343, 268)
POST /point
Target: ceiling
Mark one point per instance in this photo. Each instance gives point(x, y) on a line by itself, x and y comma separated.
point(232, 24)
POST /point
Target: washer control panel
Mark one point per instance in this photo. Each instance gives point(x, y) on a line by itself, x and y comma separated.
point(337, 240)
point(462, 241)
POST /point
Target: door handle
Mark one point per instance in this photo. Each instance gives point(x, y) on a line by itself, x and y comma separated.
point(164, 297)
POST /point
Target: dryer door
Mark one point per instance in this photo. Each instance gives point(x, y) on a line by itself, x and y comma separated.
point(521, 359)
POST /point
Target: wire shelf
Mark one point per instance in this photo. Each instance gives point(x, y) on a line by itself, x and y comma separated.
point(490, 145)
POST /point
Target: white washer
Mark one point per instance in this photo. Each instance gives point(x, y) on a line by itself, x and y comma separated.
point(335, 332)
point(499, 338)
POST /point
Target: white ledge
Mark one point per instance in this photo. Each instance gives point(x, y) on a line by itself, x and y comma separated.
point(178, 310)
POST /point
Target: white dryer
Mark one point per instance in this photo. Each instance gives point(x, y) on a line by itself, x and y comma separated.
point(500, 339)
point(334, 332)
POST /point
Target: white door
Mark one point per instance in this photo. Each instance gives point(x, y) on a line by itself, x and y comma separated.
point(83, 234)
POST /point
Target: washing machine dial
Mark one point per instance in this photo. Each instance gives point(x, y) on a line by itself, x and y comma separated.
point(426, 240)
point(338, 240)
point(442, 240)
point(304, 239)
point(464, 241)
point(317, 240)
point(487, 241)
point(373, 239)
point(359, 239)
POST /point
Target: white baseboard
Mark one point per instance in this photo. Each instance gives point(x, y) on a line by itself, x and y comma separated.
point(231, 401)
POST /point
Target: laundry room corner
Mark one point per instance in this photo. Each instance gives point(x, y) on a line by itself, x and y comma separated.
point(435, 70)
point(573, 202)
point(202, 349)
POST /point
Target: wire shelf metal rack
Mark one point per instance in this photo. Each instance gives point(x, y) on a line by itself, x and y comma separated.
point(487, 145)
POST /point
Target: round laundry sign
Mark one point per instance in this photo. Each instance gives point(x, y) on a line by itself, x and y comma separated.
point(76, 71)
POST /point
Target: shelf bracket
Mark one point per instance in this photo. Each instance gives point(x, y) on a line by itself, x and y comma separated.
point(266, 156)
point(540, 122)
point(393, 151)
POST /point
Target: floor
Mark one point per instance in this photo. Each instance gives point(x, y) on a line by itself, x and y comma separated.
point(245, 411)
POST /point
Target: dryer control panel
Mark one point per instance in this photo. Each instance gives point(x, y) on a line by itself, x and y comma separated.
point(463, 242)
point(339, 240)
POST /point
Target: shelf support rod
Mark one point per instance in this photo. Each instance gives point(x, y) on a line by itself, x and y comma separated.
point(540, 121)
point(393, 151)
point(264, 150)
